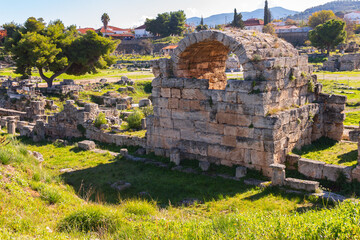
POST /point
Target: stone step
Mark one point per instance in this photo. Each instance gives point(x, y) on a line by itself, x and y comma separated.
point(309, 186)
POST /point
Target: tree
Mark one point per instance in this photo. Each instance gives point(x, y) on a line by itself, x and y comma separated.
point(105, 20)
point(56, 50)
point(237, 21)
point(328, 35)
point(166, 24)
point(270, 29)
point(321, 17)
point(202, 26)
point(290, 22)
point(177, 23)
point(267, 14)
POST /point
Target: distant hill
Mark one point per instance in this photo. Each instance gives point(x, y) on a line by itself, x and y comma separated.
point(335, 6)
point(277, 13)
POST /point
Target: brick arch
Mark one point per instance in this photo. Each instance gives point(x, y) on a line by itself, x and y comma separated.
point(203, 55)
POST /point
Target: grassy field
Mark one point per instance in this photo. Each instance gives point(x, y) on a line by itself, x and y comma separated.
point(331, 152)
point(39, 201)
point(108, 73)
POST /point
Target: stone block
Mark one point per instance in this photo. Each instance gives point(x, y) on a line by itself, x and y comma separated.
point(292, 161)
point(144, 102)
point(86, 145)
point(204, 166)
point(175, 156)
point(241, 172)
point(331, 172)
point(309, 186)
point(124, 152)
point(311, 168)
point(278, 174)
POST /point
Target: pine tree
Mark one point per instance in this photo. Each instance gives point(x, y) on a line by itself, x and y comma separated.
point(267, 14)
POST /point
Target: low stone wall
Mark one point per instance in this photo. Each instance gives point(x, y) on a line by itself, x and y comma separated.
point(118, 140)
point(318, 170)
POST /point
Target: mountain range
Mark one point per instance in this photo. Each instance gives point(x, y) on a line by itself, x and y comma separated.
point(277, 13)
point(335, 6)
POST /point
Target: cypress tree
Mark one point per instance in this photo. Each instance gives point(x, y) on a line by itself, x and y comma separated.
point(237, 22)
point(267, 14)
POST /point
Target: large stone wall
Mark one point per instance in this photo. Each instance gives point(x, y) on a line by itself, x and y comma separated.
point(253, 123)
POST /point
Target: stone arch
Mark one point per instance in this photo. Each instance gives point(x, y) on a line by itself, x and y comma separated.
point(203, 55)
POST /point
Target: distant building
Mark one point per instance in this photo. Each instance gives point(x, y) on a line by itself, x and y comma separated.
point(353, 16)
point(84, 30)
point(169, 49)
point(254, 24)
point(2, 33)
point(117, 33)
point(140, 32)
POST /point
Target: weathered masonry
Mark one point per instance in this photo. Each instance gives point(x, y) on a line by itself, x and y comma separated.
point(255, 122)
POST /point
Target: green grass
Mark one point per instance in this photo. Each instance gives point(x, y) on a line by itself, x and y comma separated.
point(39, 201)
point(130, 57)
point(168, 40)
point(352, 118)
point(331, 152)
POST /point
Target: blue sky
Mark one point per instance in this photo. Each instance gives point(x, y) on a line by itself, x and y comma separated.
point(129, 13)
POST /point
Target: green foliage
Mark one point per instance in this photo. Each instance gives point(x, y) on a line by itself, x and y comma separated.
point(57, 49)
point(167, 24)
point(267, 14)
point(202, 26)
point(90, 219)
point(148, 110)
point(321, 17)
point(105, 19)
point(47, 193)
point(256, 58)
point(100, 119)
point(134, 119)
point(328, 35)
point(311, 86)
point(237, 21)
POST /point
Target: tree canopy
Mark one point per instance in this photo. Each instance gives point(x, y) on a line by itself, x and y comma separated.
point(237, 21)
point(321, 17)
point(328, 35)
point(105, 19)
point(267, 14)
point(202, 26)
point(55, 49)
point(166, 24)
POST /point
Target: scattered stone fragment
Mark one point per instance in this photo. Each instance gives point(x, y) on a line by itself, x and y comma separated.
point(240, 172)
point(124, 152)
point(144, 102)
point(140, 151)
point(204, 166)
point(120, 185)
point(87, 145)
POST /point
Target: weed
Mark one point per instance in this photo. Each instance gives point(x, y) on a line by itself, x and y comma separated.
point(134, 119)
point(100, 120)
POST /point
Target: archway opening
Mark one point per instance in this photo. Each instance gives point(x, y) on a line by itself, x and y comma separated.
point(205, 60)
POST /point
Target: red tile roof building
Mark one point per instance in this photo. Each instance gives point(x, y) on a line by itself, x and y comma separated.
point(254, 24)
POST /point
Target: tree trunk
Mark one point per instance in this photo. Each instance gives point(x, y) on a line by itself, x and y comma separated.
point(50, 80)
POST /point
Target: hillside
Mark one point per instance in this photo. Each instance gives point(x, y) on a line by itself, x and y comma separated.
point(277, 13)
point(333, 6)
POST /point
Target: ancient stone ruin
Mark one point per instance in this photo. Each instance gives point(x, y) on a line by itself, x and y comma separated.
point(349, 62)
point(256, 122)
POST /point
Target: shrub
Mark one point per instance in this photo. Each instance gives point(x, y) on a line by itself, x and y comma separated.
point(90, 219)
point(100, 119)
point(148, 110)
point(134, 120)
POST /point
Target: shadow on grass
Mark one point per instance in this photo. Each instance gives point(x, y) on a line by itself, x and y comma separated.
point(348, 157)
point(318, 145)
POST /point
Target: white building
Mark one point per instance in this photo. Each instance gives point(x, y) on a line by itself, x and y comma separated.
point(140, 32)
point(254, 24)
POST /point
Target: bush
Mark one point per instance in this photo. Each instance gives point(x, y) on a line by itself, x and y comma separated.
point(100, 119)
point(90, 219)
point(148, 110)
point(134, 120)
